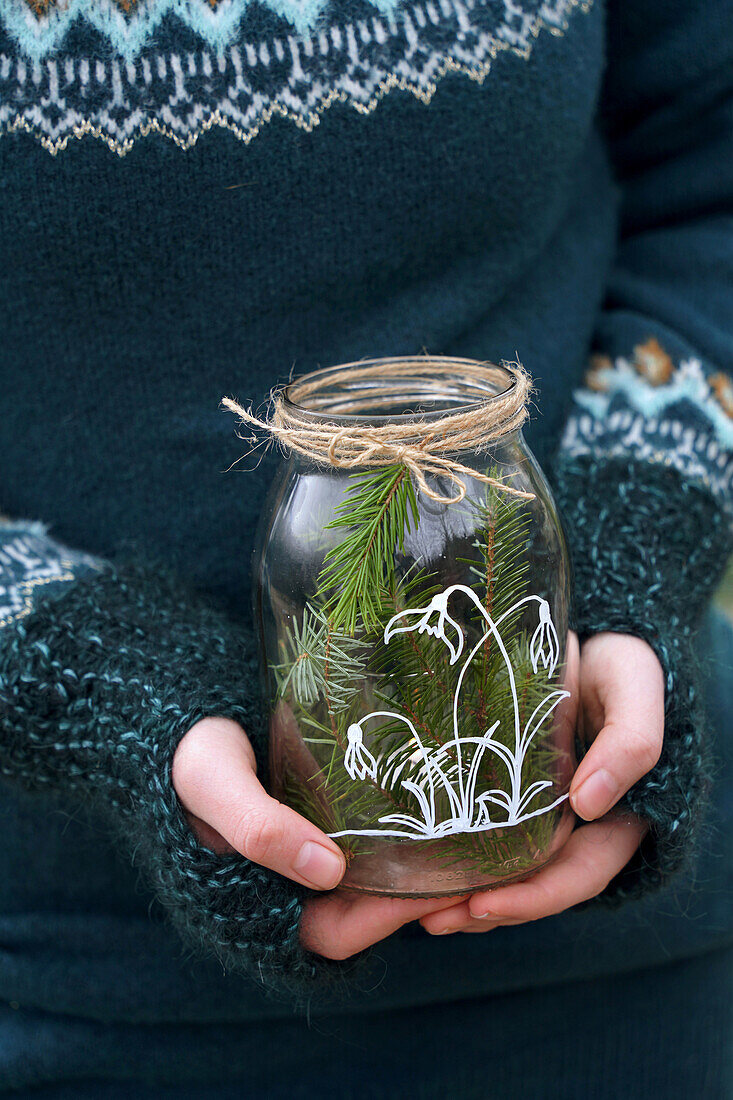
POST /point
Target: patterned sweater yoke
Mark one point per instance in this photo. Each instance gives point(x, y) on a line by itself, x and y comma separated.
point(178, 68)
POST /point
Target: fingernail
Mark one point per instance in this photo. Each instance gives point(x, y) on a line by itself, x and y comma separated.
point(444, 932)
point(596, 795)
point(319, 865)
point(488, 914)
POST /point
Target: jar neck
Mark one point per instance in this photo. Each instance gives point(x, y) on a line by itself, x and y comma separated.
point(510, 450)
point(397, 392)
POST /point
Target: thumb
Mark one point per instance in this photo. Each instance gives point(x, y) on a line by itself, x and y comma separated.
point(215, 780)
point(623, 688)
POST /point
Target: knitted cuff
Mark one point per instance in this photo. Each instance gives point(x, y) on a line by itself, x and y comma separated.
point(97, 688)
point(648, 548)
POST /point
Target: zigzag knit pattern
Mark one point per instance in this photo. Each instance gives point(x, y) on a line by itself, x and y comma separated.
point(638, 571)
point(97, 687)
point(235, 67)
point(41, 26)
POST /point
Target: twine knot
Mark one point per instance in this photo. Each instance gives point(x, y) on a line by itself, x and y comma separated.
point(308, 417)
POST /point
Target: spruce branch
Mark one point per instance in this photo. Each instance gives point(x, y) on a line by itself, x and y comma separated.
point(333, 675)
point(380, 507)
point(321, 660)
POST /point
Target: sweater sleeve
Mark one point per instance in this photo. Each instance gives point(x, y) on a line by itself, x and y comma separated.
point(645, 469)
point(102, 672)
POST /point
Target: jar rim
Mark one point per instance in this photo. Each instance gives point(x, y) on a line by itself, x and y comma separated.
point(456, 394)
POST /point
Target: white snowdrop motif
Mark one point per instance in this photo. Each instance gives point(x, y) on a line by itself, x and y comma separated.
point(421, 620)
point(358, 761)
point(446, 770)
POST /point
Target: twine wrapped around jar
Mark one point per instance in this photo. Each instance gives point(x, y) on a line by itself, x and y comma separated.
point(427, 445)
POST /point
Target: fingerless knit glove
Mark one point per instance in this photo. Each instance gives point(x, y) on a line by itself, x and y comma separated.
point(648, 548)
point(97, 687)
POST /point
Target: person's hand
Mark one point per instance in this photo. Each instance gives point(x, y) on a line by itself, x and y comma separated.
point(215, 778)
point(622, 703)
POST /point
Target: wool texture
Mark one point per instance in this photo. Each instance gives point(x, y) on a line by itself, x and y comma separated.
point(97, 688)
point(637, 572)
point(197, 199)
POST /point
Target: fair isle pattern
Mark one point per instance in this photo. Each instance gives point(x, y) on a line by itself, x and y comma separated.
point(242, 85)
point(625, 434)
point(651, 383)
point(40, 28)
point(650, 409)
point(29, 559)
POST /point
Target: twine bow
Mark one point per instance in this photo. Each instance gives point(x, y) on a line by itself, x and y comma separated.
point(426, 445)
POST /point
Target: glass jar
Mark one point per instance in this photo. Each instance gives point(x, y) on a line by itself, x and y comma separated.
point(418, 665)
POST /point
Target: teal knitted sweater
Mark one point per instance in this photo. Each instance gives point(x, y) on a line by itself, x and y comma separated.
point(197, 198)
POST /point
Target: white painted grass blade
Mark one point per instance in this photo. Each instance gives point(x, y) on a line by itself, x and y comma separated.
point(428, 811)
point(529, 794)
point(406, 820)
point(539, 715)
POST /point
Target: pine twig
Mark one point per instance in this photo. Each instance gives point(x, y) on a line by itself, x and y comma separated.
point(380, 507)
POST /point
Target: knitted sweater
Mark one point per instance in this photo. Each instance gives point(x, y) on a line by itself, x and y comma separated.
point(198, 197)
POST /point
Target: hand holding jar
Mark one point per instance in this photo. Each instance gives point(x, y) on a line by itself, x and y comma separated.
point(412, 595)
point(622, 691)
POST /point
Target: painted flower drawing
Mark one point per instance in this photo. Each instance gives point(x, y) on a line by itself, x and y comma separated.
point(448, 775)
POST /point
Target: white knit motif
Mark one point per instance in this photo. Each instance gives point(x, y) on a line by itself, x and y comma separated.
point(240, 85)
